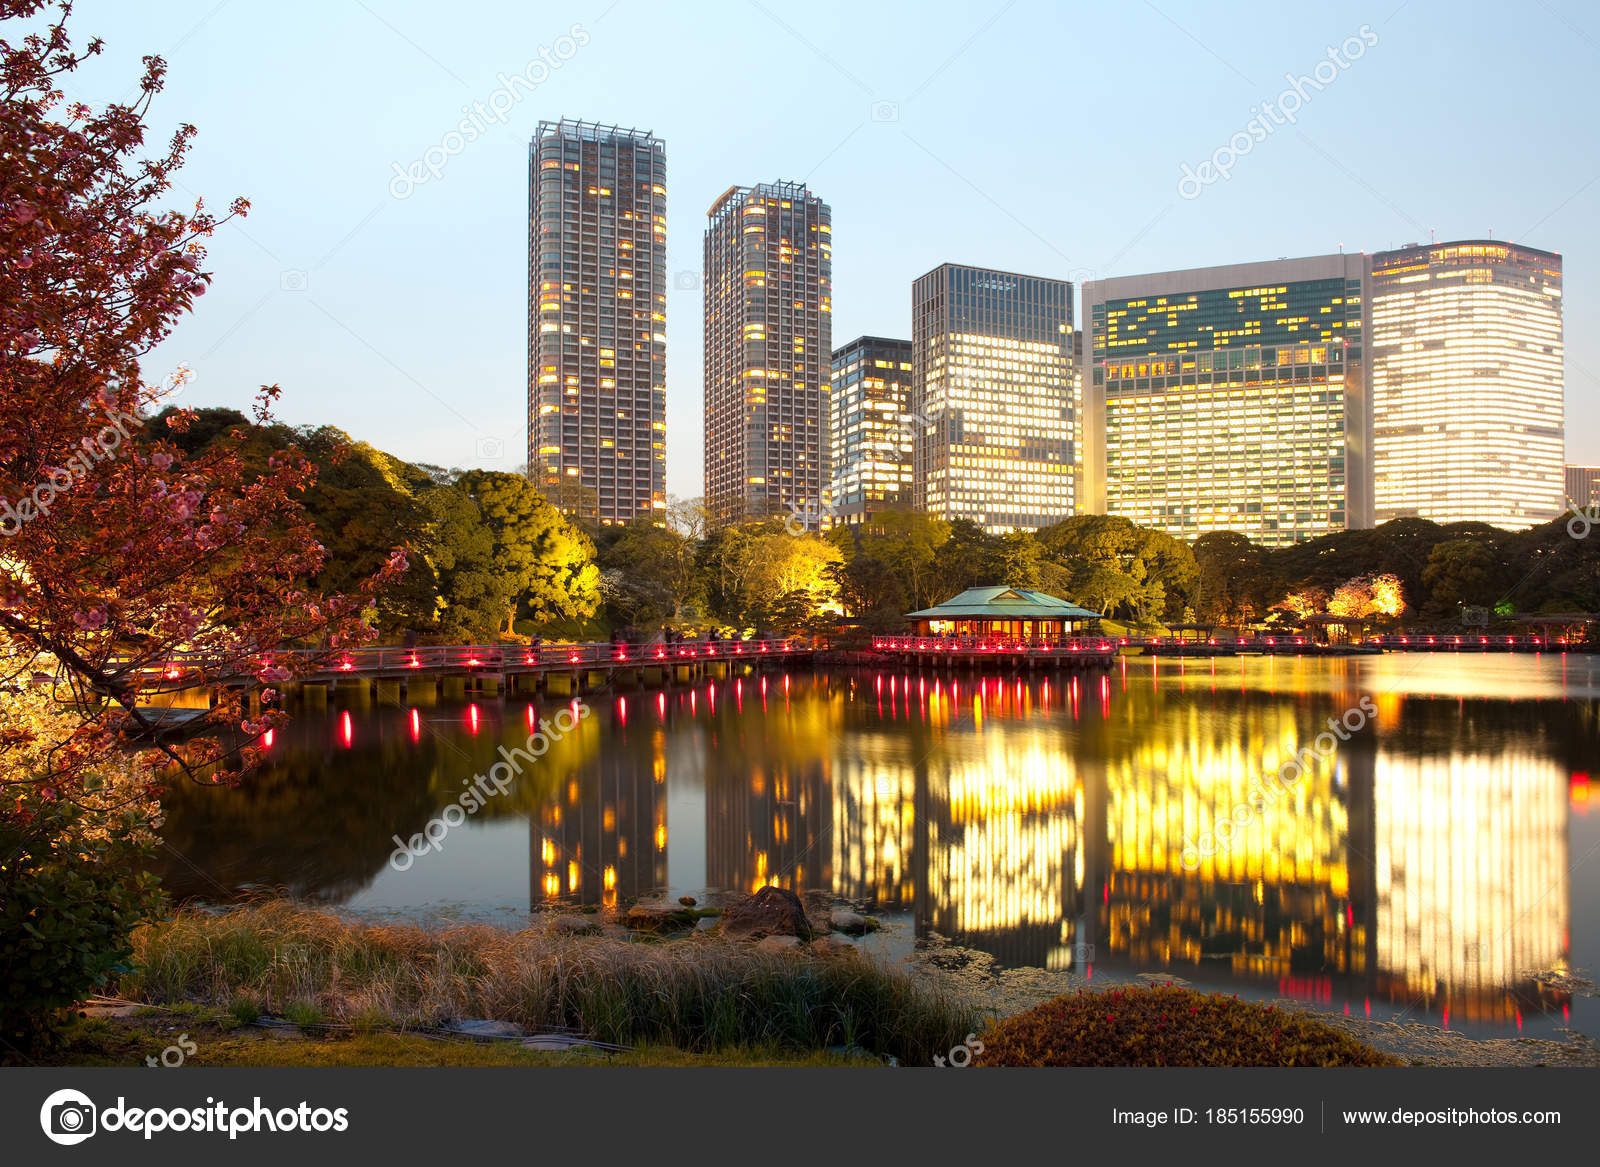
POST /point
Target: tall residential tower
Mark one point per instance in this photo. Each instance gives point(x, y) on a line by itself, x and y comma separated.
point(1230, 399)
point(769, 343)
point(1467, 383)
point(597, 296)
point(992, 401)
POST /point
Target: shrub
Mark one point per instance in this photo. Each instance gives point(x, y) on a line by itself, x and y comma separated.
point(1167, 1026)
point(70, 894)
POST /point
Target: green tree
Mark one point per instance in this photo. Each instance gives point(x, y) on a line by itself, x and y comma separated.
point(1464, 572)
point(969, 558)
point(471, 594)
point(654, 575)
point(549, 563)
point(1235, 583)
point(1158, 573)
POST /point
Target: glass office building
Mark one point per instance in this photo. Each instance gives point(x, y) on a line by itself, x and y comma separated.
point(768, 349)
point(597, 325)
point(1229, 399)
point(993, 412)
point(870, 435)
point(1467, 383)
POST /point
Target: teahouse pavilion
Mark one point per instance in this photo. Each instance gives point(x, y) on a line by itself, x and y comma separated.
point(1003, 613)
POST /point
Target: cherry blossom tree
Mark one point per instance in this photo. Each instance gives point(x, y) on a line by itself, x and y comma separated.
point(124, 562)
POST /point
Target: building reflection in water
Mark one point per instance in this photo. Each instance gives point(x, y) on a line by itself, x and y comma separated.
point(1048, 824)
point(1470, 878)
point(602, 840)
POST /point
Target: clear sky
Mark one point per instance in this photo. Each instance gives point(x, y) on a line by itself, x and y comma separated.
point(1035, 137)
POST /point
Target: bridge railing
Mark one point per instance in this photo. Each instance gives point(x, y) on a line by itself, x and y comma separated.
point(477, 657)
point(1396, 641)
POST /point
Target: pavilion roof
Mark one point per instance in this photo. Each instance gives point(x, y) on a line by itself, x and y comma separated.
point(1000, 603)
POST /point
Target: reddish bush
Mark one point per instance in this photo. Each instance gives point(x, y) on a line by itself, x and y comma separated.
point(1167, 1026)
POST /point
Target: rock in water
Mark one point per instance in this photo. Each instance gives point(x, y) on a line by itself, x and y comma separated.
point(833, 945)
point(574, 925)
point(658, 917)
point(842, 920)
point(772, 911)
point(478, 1028)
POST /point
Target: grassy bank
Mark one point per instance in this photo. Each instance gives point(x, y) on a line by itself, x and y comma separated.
point(695, 995)
point(211, 1037)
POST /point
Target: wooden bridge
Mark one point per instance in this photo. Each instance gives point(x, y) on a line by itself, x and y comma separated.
point(427, 673)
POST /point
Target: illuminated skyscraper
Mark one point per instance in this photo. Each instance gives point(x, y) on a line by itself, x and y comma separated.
point(597, 333)
point(870, 440)
point(1583, 487)
point(1468, 417)
point(1229, 398)
point(769, 338)
point(992, 405)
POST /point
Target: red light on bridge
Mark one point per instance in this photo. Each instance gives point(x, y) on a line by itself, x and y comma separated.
point(346, 666)
point(413, 663)
point(473, 661)
point(573, 659)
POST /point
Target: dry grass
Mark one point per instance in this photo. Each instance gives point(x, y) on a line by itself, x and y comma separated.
point(695, 994)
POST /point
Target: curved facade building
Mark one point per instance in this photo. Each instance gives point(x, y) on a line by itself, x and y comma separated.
point(1467, 383)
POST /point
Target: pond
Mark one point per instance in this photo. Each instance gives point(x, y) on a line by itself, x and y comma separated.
point(1396, 835)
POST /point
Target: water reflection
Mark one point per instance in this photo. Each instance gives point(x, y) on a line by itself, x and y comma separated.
point(1427, 862)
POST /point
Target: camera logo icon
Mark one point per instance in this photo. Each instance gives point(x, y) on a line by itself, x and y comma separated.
point(68, 1117)
point(686, 281)
point(491, 449)
point(293, 280)
point(885, 111)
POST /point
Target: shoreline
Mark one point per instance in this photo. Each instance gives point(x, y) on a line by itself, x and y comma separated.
point(910, 1005)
